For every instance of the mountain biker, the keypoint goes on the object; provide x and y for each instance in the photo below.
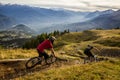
(46, 44)
(88, 52)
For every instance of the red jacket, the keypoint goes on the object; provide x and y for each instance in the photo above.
(44, 45)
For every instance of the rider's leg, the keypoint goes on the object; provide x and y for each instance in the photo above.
(40, 56)
(39, 53)
(46, 56)
(91, 57)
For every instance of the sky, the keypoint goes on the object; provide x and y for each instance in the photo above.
(76, 5)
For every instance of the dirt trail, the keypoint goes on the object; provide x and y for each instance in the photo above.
(12, 60)
(13, 68)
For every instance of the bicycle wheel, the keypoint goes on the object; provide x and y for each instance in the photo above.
(32, 62)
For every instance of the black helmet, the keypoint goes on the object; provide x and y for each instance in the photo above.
(90, 46)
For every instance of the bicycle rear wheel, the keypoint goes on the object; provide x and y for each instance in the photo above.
(32, 62)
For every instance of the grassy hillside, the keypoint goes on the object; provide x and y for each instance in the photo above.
(70, 46)
(109, 38)
(17, 53)
(74, 42)
(95, 36)
(106, 70)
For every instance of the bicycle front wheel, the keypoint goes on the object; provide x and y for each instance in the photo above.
(32, 62)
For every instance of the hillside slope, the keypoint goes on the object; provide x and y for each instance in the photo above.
(91, 37)
(95, 71)
(70, 47)
(72, 44)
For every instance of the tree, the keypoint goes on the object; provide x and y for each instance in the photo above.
(32, 43)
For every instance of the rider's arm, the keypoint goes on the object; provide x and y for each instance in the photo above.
(53, 52)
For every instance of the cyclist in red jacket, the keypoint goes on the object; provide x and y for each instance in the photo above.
(46, 44)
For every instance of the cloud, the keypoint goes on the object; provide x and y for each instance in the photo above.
(78, 5)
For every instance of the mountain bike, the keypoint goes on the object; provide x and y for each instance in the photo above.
(94, 59)
(32, 62)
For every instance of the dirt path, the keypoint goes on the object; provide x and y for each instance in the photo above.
(13, 68)
(12, 60)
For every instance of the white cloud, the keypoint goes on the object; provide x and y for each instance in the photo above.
(84, 5)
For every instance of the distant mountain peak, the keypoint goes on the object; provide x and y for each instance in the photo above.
(108, 11)
(22, 28)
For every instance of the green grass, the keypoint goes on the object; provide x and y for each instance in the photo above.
(77, 37)
(113, 42)
(108, 38)
(73, 43)
(106, 70)
(17, 53)
(71, 46)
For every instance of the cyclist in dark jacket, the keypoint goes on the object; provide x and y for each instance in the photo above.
(88, 52)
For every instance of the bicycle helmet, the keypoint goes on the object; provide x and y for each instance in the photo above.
(91, 47)
(52, 38)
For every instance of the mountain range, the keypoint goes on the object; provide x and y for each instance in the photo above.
(47, 20)
(39, 17)
(105, 20)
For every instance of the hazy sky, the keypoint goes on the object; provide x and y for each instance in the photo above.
(78, 5)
